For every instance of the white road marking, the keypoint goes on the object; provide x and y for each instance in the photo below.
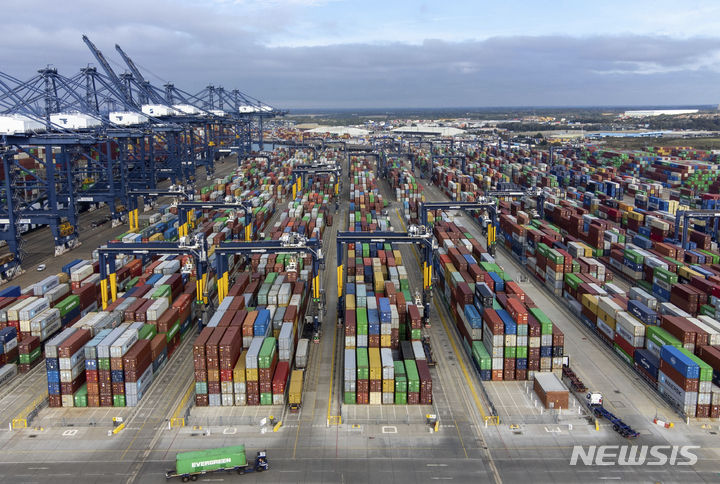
(436, 465)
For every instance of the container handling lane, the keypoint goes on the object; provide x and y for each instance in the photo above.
(599, 370)
(39, 247)
(455, 397)
(24, 390)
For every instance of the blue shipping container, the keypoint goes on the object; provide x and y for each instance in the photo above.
(678, 358)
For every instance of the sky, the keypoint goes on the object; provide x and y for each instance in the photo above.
(374, 54)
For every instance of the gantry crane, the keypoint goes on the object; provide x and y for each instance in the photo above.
(196, 246)
(482, 204)
(185, 209)
(416, 234)
(684, 216)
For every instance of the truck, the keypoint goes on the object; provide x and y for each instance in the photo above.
(593, 401)
(190, 465)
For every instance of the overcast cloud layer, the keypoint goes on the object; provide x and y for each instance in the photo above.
(311, 53)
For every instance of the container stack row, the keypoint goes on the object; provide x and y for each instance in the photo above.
(246, 353)
(108, 358)
(381, 315)
(502, 329)
(616, 218)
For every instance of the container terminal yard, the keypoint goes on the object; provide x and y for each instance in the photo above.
(194, 273)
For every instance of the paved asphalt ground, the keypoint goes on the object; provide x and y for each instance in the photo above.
(373, 448)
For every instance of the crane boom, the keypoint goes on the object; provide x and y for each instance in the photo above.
(122, 91)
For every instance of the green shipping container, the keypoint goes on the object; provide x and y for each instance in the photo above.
(162, 291)
(363, 364)
(706, 371)
(541, 317)
(412, 376)
(633, 256)
(210, 460)
(510, 351)
(665, 275)
(26, 359)
(80, 397)
(349, 398)
(645, 285)
(522, 352)
(266, 399)
(148, 331)
(661, 337)
(481, 356)
(103, 363)
(118, 400)
(401, 385)
(201, 387)
(400, 398)
(68, 304)
(267, 352)
(173, 331)
(705, 310)
(572, 281)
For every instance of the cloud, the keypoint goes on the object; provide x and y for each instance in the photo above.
(195, 45)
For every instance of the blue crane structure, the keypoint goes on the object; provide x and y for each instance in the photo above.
(185, 208)
(461, 158)
(196, 246)
(483, 204)
(536, 192)
(682, 219)
(70, 143)
(417, 235)
(302, 172)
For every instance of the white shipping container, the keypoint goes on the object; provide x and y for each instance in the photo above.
(77, 274)
(42, 287)
(58, 293)
(123, 343)
(301, 353)
(157, 309)
(51, 346)
(251, 358)
(13, 312)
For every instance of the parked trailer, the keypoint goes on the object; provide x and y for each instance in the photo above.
(190, 465)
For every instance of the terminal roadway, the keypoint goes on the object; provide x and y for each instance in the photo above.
(307, 449)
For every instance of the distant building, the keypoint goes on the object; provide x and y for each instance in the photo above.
(339, 131)
(431, 130)
(659, 112)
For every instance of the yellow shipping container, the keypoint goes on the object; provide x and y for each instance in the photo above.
(625, 207)
(398, 257)
(607, 319)
(379, 282)
(251, 374)
(296, 387)
(687, 273)
(588, 250)
(590, 302)
(636, 216)
(388, 386)
(156, 238)
(350, 301)
(375, 363)
(239, 370)
(385, 341)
